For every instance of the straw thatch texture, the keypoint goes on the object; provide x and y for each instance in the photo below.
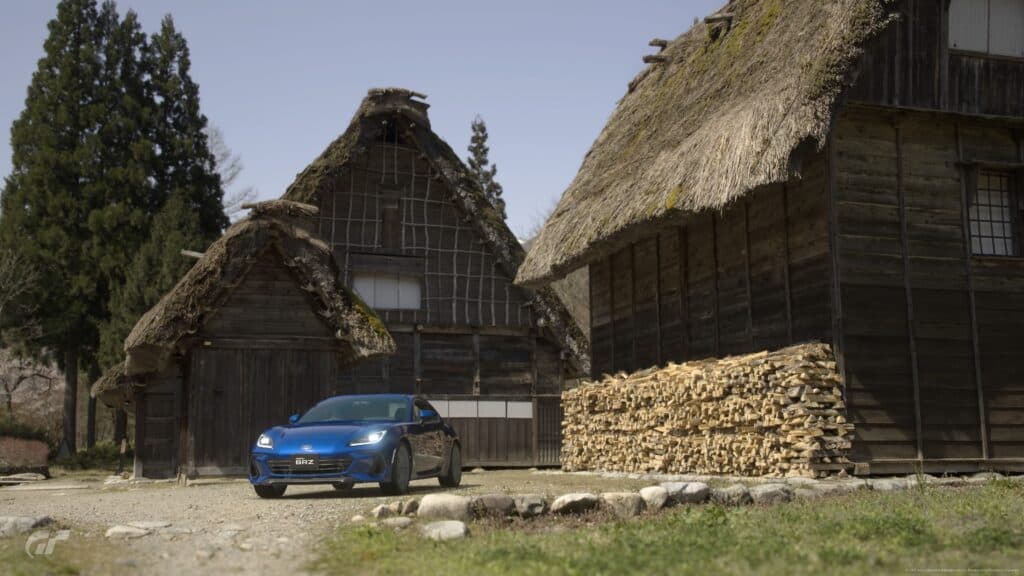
(277, 226)
(720, 116)
(114, 387)
(466, 194)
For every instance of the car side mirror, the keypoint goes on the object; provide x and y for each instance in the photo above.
(293, 418)
(429, 416)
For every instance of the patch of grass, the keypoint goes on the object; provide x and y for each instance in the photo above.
(862, 533)
(77, 555)
(101, 456)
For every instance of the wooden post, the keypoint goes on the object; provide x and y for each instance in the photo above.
(785, 263)
(908, 288)
(968, 255)
(714, 252)
(684, 289)
(476, 362)
(611, 309)
(535, 422)
(632, 306)
(657, 295)
(832, 203)
(746, 261)
(417, 368)
(140, 435)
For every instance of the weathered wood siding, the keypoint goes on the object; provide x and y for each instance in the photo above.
(755, 276)
(910, 65)
(475, 336)
(159, 417)
(912, 358)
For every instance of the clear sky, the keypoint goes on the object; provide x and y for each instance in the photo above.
(282, 79)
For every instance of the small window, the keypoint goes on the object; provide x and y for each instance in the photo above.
(388, 291)
(987, 26)
(994, 215)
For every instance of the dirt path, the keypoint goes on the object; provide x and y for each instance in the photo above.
(225, 528)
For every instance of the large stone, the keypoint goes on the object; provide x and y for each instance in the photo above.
(14, 525)
(530, 505)
(575, 503)
(447, 506)
(691, 493)
(386, 510)
(654, 497)
(150, 524)
(771, 493)
(410, 506)
(397, 522)
(22, 477)
(500, 505)
(623, 504)
(734, 495)
(445, 530)
(887, 484)
(126, 532)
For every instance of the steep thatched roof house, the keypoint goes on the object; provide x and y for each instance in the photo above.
(414, 234)
(258, 329)
(847, 171)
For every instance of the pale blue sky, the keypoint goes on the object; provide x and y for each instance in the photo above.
(282, 79)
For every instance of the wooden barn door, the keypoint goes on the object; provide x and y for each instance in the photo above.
(239, 392)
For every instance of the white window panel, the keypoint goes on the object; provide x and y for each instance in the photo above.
(363, 284)
(491, 409)
(385, 294)
(968, 25)
(409, 293)
(387, 291)
(442, 407)
(462, 409)
(520, 410)
(1006, 29)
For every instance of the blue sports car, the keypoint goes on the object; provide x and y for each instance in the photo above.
(385, 438)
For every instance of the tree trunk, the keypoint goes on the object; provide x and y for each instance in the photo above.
(68, 444)
(120, 426)
(90, 424)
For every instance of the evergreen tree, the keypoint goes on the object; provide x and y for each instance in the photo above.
(47, 200)
(480, 167)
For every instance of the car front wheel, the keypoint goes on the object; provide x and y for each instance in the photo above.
(401, 472)
(453, 476)
(270, 490)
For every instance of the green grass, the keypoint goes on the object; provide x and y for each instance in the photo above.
(102, 456)
(78, 555)
(862, 533)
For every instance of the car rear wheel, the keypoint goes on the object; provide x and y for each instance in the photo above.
(401, 472)
(453, 476)
(270, 490)
(343, 485)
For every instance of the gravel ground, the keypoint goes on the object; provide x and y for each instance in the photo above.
(223, 527)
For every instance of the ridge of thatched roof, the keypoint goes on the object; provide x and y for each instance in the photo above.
(279, 224)
(364, 129)
(716, 114)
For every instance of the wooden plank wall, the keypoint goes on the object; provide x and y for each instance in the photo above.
(752, 277)
(905, 276)
(910, 65)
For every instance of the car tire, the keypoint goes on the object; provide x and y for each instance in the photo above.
(452, 477)
(401, 472)
(343, 486)
(270, 490)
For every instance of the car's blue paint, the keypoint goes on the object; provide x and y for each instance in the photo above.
(427, 435)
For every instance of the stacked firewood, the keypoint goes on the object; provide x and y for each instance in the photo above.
(775, 413)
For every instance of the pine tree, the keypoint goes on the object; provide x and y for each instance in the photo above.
(47, 202)
(480, 167)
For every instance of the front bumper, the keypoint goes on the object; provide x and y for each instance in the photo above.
(349, 466)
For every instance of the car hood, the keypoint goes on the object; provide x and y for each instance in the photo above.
(318, 438)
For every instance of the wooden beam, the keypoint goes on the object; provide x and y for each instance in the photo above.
(832, 202)
(138, 466)
(908, 288)
(714, 252)
(611, 309)
(785, 263)
(632, 306)
(657, 295)
(746, 270)
(973, 312)
(192, 254)
(684, 289)
(535, 422)
(417, 365)
(476, 362)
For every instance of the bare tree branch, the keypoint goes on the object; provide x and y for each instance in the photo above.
(229, 166)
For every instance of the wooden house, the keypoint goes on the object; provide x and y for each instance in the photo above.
(847, 171)
(415, 236)
(258, 329)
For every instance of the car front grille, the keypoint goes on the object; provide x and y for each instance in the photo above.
(283, 466)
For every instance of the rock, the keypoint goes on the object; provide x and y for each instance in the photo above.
(14, 525)
(23, 477)
(358, 518)
(654, 497)
(623, 504)
(149, 524)
(387, 510)
(500, 505)
(445, 530)
(205, 553)
(444, 506)
(530, 505)
(692, 493)
(575, 503)
(801, 482)
(245, 546)
(771, 493)
(674, 489)
(397, 523)
(410, 506)
(887, 484)
(125, 532)
(916, 480)
(477, 470)
(806, 493)
(734, 495)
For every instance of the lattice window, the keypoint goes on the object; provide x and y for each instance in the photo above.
(994, 216)
(387, 291)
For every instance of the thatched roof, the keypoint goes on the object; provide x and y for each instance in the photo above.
(364, 129)
(718, 113)
(280, 226)
(115, 387)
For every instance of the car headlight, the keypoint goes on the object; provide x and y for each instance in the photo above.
(265, 441)
(371, 438)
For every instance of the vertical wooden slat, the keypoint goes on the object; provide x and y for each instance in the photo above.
(140, 435)
(417, 366)
(786, 264)
(908, 288)
(973, 312)
(476, 361)
(746, 270)
(684, 289)
(632, 306)
(833, 247)
(657, 295)
(611, 308)
(714, 269)
(535, 422)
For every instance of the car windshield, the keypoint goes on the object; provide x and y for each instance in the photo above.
(352, 408)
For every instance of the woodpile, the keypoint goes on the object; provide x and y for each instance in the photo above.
(775, 413)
